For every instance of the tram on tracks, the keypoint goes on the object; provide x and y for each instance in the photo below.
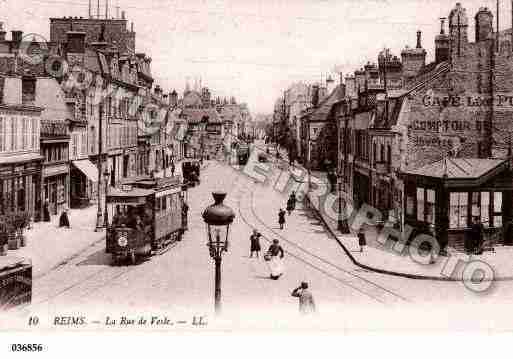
(191, 172)
(243, 153)
(148, 215)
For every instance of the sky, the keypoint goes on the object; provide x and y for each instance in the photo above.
(255, 49)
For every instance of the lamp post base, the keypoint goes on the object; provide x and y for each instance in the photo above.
(99, 222)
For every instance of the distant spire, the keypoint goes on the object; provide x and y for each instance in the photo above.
(187, 86)
(89, 13)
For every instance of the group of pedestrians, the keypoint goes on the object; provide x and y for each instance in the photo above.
(274, 258)
(291, 206)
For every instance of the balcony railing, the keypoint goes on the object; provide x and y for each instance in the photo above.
(54, 128)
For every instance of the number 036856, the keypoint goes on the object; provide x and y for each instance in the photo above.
(27, 347)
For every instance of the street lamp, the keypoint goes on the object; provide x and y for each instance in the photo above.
(99, 224)
(218, 218)
(106, 175)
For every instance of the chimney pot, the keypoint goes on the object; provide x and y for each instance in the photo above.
(419, 39)
(123, 15)
(17, 35)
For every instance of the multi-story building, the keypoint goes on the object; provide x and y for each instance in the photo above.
(20, 160)
(433, 153)
(55, 140)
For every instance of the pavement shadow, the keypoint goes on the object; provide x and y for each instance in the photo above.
(98, 258)
(263, 277)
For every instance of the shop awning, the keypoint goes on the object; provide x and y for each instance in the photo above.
(88, 169)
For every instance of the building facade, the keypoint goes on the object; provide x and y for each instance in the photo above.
(20, 160)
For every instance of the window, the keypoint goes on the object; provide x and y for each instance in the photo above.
(164, 203)
(28, 90)
(2, 139)
(497, 209)
(430, 206)
(485, 209)
(34, 133)
(14, 129)
(458, 210)
(420, 205)
(74, 146)
(23, 133)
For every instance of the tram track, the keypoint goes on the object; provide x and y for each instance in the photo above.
(345, 277)
(96, 276)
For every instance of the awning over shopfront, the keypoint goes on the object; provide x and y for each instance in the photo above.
(88, 169)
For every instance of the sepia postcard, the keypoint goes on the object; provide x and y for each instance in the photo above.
(279, 166)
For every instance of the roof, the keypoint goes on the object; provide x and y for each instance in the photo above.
(458, 168)
(193, 115)
(323, 110)
(134, 192)
(231, 113)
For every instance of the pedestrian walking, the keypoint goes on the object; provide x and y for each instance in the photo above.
(362, 242)
(64, 220)
(293, 197)
(281, 218)
(274, 259)
(290, 206)
(255, 244)
(477, 231)
(46, 211)
(306, 300)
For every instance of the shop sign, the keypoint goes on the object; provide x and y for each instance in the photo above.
(55, 170)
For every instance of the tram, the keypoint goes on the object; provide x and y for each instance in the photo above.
(191, 172)
(147, 217)
(243, 154)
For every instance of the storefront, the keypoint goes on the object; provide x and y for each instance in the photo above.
(20, 184)
(445, 197)
(84, 176)
(56, 186)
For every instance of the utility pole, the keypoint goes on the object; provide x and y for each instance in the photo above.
(99, 224)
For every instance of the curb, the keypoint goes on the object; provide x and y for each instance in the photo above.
(374, 269)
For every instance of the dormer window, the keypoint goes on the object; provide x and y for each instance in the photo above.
(28, 89)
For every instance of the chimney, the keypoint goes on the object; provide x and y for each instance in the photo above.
(123, 15)
(17, 35)
(173, 98)
(2, 31)
(132, 26)
(442, 44)
(419, 39)
(315, 96)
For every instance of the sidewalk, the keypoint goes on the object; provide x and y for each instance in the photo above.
(48, 246)
(382, 258)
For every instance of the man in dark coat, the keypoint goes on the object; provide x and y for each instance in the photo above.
(477, 231)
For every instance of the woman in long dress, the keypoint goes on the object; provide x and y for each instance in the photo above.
(281, 218)
(46, 211)
(274, 258)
